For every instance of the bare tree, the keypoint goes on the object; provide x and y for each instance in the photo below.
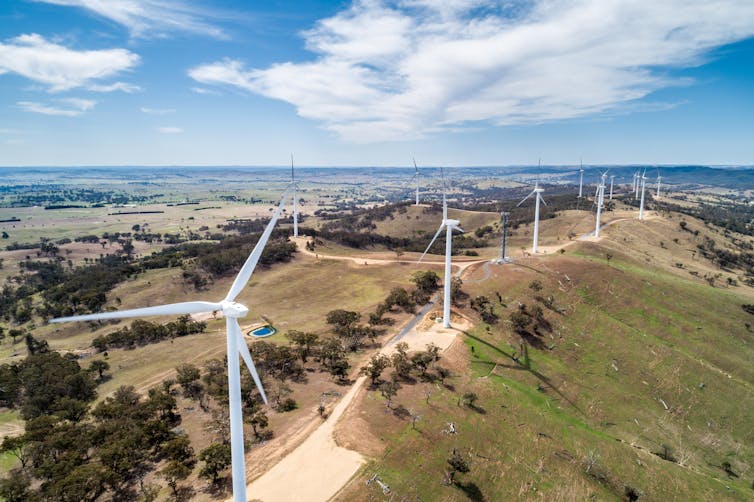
(415, 417)
(427, 393)
(388, 390)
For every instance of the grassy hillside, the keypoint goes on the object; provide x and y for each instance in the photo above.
(639, 382)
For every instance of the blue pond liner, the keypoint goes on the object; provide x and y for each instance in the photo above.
(263, 331)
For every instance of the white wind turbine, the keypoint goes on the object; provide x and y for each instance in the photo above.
(637, 184)
(659, 178)
(642, 181)
(581, 178)
(295, 202)
(599, 200)
(416, 175)
(537, 192)
(449, 226)
(236, 345)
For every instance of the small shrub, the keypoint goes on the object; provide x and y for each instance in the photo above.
(289, 404)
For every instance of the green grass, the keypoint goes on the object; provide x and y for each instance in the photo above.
(8, 462)
(632, 338)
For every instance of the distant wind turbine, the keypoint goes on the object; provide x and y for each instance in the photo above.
(600, 199)
(449, 226)
(581, 177)
(637, 183)
(416, 175)
(236, 345)
(537, 192)
(295, 202)
(659, 179)
(643, 181)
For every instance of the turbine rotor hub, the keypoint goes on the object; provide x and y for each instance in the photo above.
(234, 309)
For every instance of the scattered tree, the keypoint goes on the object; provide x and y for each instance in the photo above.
(469, 399)
(304, 342)
(401, 362)
(388, 390)
(187, 376)
(377, 364)
(216, 458)
(99, 366)
(173, 473)
(457, 464)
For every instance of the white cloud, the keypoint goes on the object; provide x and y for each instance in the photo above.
(387, 70)
(202, 90)
(170, 130)
(150, 18)
(71, 107)
(60, 68)
(156, 111)
(117, 86)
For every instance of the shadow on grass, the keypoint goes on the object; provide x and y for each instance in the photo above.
(185, 493)
(401, 412)
(477, 408)
(220, 489)
(471, 490)
(521, 367)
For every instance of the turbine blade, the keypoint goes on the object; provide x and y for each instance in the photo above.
(459, 229)
(444, 207)
(431, 242)
(251, 262)
(524, 199)
(542, 200)
(170, 309)
(235, 330)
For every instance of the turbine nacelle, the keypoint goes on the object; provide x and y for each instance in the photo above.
(234, 309)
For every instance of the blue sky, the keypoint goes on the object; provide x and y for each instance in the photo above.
(451, 82)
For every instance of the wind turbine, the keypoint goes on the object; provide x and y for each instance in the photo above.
(659, 178)
(295, 202)
(537, 192)
(581, 177)
(449, 226)
(643, 182)
(637, 184)
(599, 199)
(416, 175)
(236, 345)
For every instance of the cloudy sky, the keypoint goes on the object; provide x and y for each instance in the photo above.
(450, 82)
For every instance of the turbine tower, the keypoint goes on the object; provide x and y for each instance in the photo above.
(449, 226)
(659, 178)
(581, 178)
(643, 182)
(503, 244)
(612, 180)
(236, 345)
(295, 202)
(537, 192)
(416, 175)
(600, 199)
